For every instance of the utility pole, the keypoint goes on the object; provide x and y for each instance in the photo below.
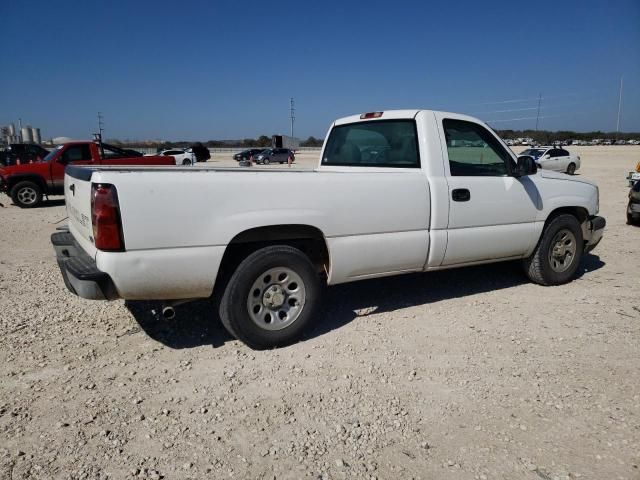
(619, 106)
(292, 112)
(100, 124)
(100, 130)
(538, 114)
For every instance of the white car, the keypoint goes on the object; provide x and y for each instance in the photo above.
(183, 157)
(554, 158)
(394, 192)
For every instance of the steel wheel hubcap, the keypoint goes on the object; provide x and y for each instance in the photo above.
(276, 298)
(27, 195)
(562, 251)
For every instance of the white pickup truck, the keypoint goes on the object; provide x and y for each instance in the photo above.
(394, 192)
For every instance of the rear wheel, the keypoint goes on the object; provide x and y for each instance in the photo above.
(271, 298)
(557, 255)
(26, 194)
(571, 169)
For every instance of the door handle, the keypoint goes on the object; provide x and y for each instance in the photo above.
(460, 195)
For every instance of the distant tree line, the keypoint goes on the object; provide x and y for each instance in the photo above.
(545, 137)
(261, 141)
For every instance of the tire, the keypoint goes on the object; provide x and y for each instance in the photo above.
(265, 161)
(631, 220)
(546, 268)
(571, 168)
(26, 194)
(186, 162)
(265, 311)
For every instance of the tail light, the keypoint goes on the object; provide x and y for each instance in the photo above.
(105, 218)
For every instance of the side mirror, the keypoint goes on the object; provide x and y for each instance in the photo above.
(547, 156)
(526, 166)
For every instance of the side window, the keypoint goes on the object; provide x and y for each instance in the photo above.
(473, 151)
(564, 153)
(109, 151)
(76, 153)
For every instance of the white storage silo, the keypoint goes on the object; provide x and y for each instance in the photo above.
(12, 129)
(27, 135)
(35, 134)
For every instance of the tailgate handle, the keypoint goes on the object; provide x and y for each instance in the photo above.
(460, 195)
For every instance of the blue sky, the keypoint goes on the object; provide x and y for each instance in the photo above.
(200, 70)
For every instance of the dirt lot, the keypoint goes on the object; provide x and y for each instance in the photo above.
(466, 374)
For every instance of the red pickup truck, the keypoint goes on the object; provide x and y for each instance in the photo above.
(27, 183)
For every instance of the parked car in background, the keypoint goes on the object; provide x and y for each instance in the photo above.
(247, 154)
(553, 158)
(273, 155)
(26, 184)
(16, 153)
(633, 207)
(182, 157)
(634, 177)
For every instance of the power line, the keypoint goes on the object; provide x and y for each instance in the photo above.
(524, 118)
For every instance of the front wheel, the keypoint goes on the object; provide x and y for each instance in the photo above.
(558, 253)
(271, 298)
(26, 194)
(571, 169)
(265, 161)
(186, 162)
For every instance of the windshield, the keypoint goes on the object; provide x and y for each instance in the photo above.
(534, 152)
(52, 153)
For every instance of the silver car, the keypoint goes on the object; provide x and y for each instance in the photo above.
(273, 155)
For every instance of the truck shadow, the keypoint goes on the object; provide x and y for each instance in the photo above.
(197, 324)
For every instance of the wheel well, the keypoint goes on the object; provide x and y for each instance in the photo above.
(14, 180)
(308, 239)
(579, 212)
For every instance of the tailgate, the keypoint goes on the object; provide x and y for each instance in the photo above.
(77, 194)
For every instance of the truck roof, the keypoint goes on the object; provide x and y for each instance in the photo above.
(395, 114)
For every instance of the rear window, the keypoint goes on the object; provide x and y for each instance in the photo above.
(379, 143)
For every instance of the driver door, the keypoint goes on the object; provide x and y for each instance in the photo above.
(491, 212)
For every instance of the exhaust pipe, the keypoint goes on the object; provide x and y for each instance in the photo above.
(168, 312)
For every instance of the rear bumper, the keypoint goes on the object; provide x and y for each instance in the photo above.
(79, 271)
(593, 232)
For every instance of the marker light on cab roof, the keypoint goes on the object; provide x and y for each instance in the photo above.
(371, 115)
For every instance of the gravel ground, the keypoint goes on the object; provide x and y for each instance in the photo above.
(464, 374)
